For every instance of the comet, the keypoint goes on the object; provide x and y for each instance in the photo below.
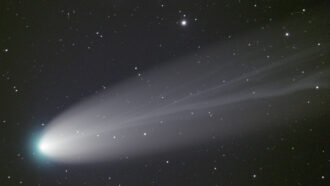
(222, 91)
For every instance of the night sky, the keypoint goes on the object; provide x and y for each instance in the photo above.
(55, 54)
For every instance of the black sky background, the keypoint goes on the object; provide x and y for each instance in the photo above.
(60, 52)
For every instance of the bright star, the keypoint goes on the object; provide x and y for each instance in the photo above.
(183, 22)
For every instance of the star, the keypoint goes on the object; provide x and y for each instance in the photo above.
(183, 22)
